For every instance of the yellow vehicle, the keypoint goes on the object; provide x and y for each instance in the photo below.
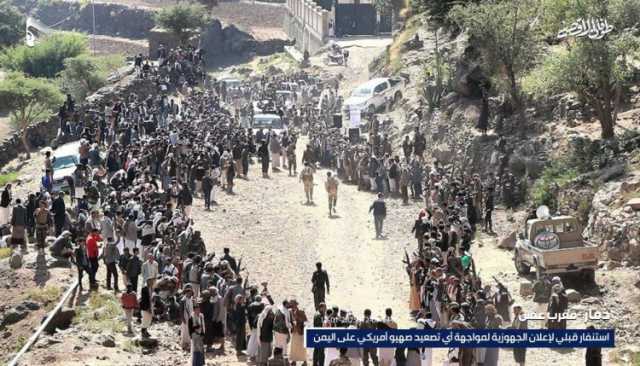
(554, 245)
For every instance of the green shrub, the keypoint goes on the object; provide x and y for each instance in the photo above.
(12, 24)
(8, 178)
(101, 313)
(46, 58)
(554, 177)
(182, 18)
(5, 253)
(84, 74)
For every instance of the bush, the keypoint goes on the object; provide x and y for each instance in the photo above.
(182, 18)
(5, 253)
(45, 59)
(554, 177)
(12, 24)
(84, 74)
(8, 178)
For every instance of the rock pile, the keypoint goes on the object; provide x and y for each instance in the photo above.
(614, 224)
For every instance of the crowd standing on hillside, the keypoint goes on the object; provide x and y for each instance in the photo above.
(145, 160)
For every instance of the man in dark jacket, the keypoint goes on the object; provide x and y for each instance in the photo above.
(263, 153)
(123, 264)
(18, 225)
(58, 209)
(232, 261)
(134, 268)
(379, 208)
(207, 187)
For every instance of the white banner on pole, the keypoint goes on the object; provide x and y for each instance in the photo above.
(354, 117)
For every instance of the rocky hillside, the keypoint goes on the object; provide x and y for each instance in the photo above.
(552, 148)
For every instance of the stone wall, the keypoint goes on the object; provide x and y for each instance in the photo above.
(218, 41)
(111, 19)
(307, 24)
(43, 133)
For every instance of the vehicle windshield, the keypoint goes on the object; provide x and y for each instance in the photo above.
(267, 122)
(63, 162)
(361, 92)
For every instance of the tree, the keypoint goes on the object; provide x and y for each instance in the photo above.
(507, 35)
(29, 100)
(12, 24)
(597, 71)
(84, 74)
(182, 18)
(46, 58)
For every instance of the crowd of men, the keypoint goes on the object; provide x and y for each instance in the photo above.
(143, 160)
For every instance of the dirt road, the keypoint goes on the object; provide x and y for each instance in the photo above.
(280, 238)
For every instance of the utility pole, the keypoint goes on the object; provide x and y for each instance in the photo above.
(93, 36)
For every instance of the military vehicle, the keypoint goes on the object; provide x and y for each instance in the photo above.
(554, 245)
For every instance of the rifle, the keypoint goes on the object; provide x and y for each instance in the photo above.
(500, 285)
(406, 261)
(239, 266)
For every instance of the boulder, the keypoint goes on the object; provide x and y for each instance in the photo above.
(613, 265)
(573, 295)
(16, 260)
(509, 242)
(61, 320)
(13, 316)
(591, 301)
(526, 288)
(146, 343)
(105, 340)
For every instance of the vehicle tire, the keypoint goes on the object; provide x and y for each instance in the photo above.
(522, 267)
(589, 276)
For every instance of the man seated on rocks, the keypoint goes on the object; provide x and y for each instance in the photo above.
(62, 249)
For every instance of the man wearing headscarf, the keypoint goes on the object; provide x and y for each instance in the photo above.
(186, 305)
(297, 353)
(254, 309)
(265, 334)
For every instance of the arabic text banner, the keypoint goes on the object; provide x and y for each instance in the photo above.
(444, 338)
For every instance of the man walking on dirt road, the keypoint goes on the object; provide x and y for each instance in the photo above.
(320, 281)
(379, 208)
(306, 176)
(331, 185)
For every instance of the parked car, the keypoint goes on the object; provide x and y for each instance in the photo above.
(266, 121)
(374, 95)
(64, 163)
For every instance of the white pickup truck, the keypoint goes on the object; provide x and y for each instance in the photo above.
(554, 245)
(374, 95)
